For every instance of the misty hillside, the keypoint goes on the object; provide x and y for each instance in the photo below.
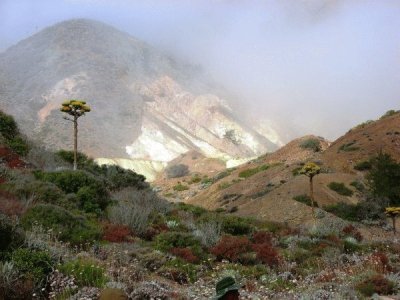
(145, 105)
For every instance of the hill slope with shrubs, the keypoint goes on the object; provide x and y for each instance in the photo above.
(102, 232)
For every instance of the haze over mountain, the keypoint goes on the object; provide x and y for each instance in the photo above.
(145, 105)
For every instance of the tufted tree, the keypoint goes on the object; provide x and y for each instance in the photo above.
(76, 109)
(311, 169)
(393, 213)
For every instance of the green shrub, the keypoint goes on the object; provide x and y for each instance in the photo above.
(250, 172)
(180, 187)
(296, 171)
(11, 236)
(363, 210)
(312, 144)
(70, 181)
(177, 265)
(9, 130)
(68, 156)
(222, 174)
(305, 199)
(33, 264)
(168, 240)
(42, 191)
(363, 165)
(340, 188)
(383, 180)
(119, 178)
(197, 211)
(345, 211)
(91, 192)
(237, 226)
(19, 145)
(71, 228)
(348, 147)
(8, 126)
(224, 185)
(195, 179)
(358, 185)
(207, 180)
(114, 176)
(389, 113)
(85, 272)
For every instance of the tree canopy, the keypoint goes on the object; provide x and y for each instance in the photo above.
(384, 179)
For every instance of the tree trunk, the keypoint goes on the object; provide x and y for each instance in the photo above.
(394, 224)
(312, 197)
(75, 143)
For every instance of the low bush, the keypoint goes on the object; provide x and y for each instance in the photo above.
(176, 171)
(8, 126)
(134, 208)
(376, 284)
(236, 225)
(91, 192)
(340, 188)
(195, 179)
(351, 231)
(85, 272)
(41, 191)
(186, 254)
(312, 144)
(75, 229)
(182, 271)
(68, 157)
(19, 145)
(351, 245)
(262, 237)
(116, 233)
(197, 211)
(168, 240)
(296, 171)
(180, 187)
(231, 248)
(267, 254)
(305, 199)
(361, 211)
(345, 211)
(363, 165)
(35, 265)
(224, 185)
(358, 185)
(250, 172)
(348, 147)
(389, 113)
(11, 236)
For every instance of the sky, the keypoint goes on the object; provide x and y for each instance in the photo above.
(308, 66)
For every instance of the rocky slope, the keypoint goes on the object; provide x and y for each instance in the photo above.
(265, 188)
(146, 106)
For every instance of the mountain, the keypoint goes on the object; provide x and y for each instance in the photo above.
(146, 106)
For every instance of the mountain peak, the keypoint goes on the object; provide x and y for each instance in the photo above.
(146, 105)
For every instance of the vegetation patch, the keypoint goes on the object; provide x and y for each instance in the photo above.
(85, 272)
(305, 199)
(179, 187)
(340, 188)
(250, 172)
(176, 171)
(363, 165)
(349, 147)
(311, 144)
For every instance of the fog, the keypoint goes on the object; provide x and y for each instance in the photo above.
(308, 66)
